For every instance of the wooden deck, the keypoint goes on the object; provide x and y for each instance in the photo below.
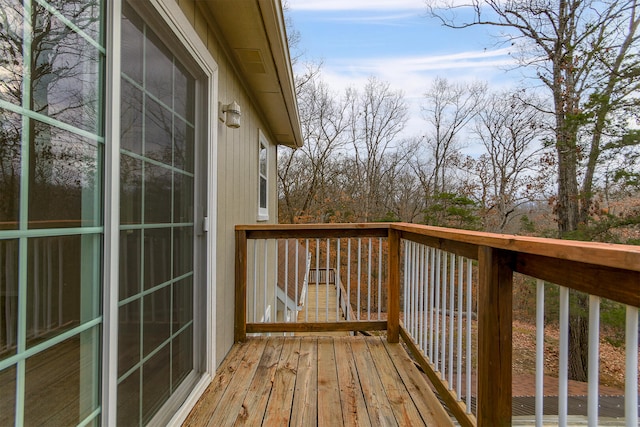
(324, 381)
(324, 298)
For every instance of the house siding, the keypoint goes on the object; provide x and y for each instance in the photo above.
(237, 178)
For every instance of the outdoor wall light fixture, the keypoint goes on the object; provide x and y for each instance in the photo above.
(231, 114)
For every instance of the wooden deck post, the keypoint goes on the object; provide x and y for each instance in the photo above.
(393, 292)
(495, 282)
(240, 326)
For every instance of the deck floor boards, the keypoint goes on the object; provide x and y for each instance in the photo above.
(305, 409)
(375, 396)
(281, 397)
(230, 405)
(325, 381)
(261, 384)
(321, 306)
(354, 409)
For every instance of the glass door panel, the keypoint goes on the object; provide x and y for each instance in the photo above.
(156, 316)
(51, 203)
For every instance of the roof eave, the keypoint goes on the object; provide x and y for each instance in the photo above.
(255, 35)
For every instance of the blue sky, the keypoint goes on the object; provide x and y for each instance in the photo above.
(397, 42)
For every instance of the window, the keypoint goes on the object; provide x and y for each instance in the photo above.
(51, 226)
(263, 180)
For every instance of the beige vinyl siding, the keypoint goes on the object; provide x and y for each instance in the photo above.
(237, 178)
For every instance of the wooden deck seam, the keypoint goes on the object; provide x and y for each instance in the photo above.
(328, 402)
(233, 397)
(354, 409)
(393, 385)
(211, 397)
(305, 401)
(278, 411)
(378, 406)
(257, 397)
(418, 387)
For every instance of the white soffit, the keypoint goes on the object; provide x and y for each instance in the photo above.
(254, 32)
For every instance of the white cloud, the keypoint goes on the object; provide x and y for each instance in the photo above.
(413, 75)
(463, 60)
(389, 19)
(478, 62)
(411, 71)
(356, 4)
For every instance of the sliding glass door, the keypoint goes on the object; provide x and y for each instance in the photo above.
(53, 167)
(157, 194)
(51, 228)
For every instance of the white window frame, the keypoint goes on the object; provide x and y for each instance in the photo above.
(263, 212)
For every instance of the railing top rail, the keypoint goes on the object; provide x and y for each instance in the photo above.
(275, 231)
(624, 257)
(319, 226)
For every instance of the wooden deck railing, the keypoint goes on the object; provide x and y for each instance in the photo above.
(417, 264)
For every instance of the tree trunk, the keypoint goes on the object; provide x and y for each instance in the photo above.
(568, 211)
(567, 107)
(579, 337)
(566, 132)
(568, 197)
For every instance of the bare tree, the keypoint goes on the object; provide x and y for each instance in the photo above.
(511, 132)
(585, 53)
(303, 174)
(402, 196)
(378, 115)
(448, 109)
(294, 38)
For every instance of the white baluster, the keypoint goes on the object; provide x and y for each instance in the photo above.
(255, 281)
(369, 281)
(539, 352)
(286, 279)
(317, 282)
(468, 371)
(594, 359)
(459, 352)
(443, 314)
(297, 276)
(326, 281)
(631, 368)
(436, 331)
(379, 275)
(563, 371)
(359, 275)
(451, 310)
